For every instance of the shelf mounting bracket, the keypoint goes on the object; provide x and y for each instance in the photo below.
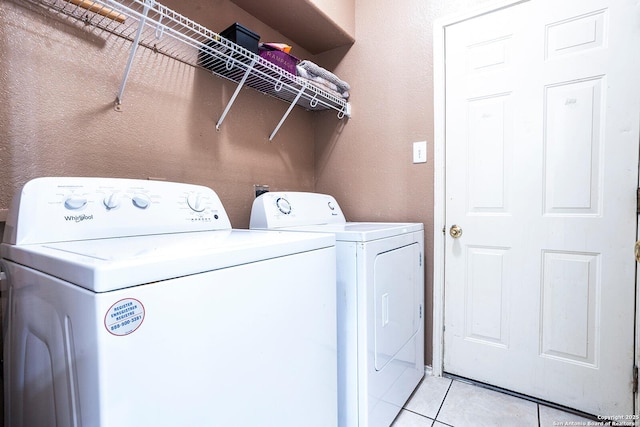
(147, 5)
(235, 93)
(286, 114)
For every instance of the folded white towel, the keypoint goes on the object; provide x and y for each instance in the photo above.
(317, 71)
(322, 83)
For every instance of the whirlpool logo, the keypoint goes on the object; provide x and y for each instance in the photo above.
(79, 218)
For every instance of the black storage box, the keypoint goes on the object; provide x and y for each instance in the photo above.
(213, 55)
(242, 36)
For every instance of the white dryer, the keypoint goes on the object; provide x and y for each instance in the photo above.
(380, 286)
(133, 303)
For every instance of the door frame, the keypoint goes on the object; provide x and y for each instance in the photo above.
(439, 214)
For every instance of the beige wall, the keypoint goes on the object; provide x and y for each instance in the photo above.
(340, 11)
(367, 164)
(58, 83)
(317, 25)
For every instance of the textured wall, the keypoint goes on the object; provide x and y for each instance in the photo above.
(367, 164)
(318, 25)
(341, 11)
(58, 82)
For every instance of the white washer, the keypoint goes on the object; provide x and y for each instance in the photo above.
(380, 284)
(133, 303)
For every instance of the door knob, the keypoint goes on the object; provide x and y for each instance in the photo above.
(636, 250)
(456, 231)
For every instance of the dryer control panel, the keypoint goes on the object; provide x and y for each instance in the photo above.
(290, 209)
(73, 208)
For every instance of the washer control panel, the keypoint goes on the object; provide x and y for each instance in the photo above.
(67, 208)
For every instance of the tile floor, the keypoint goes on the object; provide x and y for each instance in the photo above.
(442, 402)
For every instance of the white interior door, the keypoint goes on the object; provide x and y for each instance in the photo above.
(542, 112)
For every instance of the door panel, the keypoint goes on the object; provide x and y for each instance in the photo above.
(542, 112)
(485, 315)
(573, 112)
(570, 299)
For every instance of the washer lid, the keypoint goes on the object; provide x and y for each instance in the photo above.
(361, 231)
(109, 264)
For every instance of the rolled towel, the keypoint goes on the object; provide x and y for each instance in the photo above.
(317, 70)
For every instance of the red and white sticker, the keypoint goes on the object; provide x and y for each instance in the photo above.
(124, 317)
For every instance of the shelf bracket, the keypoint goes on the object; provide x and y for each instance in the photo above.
(286, 114)
(235, 94)
(346, 111)
(147, 5)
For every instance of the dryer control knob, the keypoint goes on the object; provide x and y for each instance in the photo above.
(141, 201)
(195, 202)
(112, 201)
(74, 202)
(283, 205)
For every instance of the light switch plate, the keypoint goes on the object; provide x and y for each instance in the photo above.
(420, 152)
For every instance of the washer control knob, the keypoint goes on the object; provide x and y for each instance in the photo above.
(74, 202)
(141, 201)
(112, 201)
(283, 205)
(195, 202)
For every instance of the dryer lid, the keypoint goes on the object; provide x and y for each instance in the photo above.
(361, 231)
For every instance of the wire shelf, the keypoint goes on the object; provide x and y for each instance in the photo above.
(151, 25)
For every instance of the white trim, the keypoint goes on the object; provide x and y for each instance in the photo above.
(438, 198)
(439, 211)
(428, 372)
(636, 349)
